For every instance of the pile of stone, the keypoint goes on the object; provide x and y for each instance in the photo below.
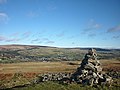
(90, 71)
(61, 77)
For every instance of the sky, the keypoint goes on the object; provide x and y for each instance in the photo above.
(60, 23)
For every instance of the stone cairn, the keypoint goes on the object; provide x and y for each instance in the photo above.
(88, 73)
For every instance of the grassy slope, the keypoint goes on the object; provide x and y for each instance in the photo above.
(36, 53)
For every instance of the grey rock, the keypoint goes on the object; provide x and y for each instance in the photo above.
(89, 73)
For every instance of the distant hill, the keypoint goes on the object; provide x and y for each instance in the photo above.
(18, 47)
(18, 53)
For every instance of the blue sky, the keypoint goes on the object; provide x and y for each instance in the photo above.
(60, 23)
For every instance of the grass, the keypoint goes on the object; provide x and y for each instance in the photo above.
(36, 67)
(44, 67)
(56, 86)
(17, 74)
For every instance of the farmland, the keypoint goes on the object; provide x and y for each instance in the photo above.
(26, 53)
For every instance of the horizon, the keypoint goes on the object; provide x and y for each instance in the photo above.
(59, 46)
(60, 23)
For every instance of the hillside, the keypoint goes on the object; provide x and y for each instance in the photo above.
(18, 53)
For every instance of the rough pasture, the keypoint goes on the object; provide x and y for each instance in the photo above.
(17, 74)
(31, 69)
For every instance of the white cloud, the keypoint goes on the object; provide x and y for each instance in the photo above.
(116, 37)
(50, 42)
(47, 41)
(92, 25)
(2, 38)
(13, 40)
(36, 40)
(6, 39)
(3, 1)
(51, 6)
(73, 42)
(3, 18)
(15, 34)
(60, 34)
(26, 34)
(42, 40)
(32, 14)
(91, 28)
(92, 35)
(114, 29)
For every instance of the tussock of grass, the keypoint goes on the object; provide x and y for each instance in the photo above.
(56, 86)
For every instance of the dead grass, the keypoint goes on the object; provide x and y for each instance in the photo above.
(42, 67)
(31, 69)
(110, 65)
(36, 67)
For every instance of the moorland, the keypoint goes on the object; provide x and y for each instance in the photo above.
(20, 64)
